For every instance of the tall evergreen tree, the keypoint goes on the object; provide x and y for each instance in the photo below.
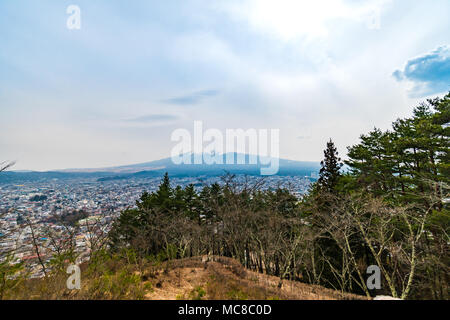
(330, 168)
(410, 162)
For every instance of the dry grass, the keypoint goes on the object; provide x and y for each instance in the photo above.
(225, 278)
(207, 278)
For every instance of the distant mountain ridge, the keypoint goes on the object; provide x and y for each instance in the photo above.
(159, 167)
(168, 165)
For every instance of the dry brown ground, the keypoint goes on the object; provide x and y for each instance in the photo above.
(206, 278)
(224, 278)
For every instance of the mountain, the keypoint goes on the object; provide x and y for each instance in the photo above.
(168, 165)
(159, 167)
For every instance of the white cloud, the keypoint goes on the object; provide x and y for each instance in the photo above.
(311, 68)
(428, 73)
(290, 19)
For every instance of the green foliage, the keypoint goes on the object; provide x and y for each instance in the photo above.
(237, 294)
(330, 169)
(409, 162)
(117, 285)
(11, 274)
(197, 293)
(60, 260)
(407, 168)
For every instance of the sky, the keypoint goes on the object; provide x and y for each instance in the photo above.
(112, 92)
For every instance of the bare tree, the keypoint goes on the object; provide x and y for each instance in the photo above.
(36, 246)
(6, 164)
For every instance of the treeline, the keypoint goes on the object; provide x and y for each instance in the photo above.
(387, 207)
(232, 219)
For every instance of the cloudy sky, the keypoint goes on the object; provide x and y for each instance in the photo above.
(112, 92)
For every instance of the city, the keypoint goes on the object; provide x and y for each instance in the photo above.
(96, 203)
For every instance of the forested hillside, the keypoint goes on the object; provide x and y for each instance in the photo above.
(390, 209)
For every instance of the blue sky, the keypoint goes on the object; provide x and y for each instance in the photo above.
(112, 92)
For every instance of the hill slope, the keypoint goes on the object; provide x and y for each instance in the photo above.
(197, 278)
(225, 279)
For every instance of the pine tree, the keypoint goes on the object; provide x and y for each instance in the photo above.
(163, 200)
(164, 195)
(164, 187)
(408, 163)
(330, 168)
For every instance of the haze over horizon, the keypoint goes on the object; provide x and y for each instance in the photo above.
(112, 93)
(145, 166)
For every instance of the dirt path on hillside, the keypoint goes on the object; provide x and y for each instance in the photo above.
(224, 278)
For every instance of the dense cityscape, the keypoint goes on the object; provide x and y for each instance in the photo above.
(31, 211)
